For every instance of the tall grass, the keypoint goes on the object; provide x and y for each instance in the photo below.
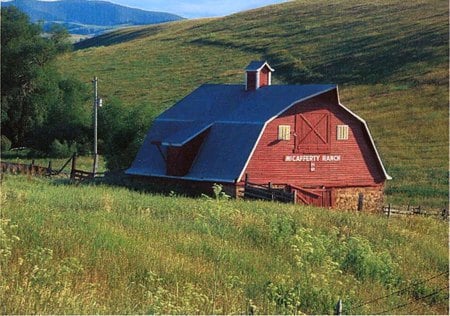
(95, 249)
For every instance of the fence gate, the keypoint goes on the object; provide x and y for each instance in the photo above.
(321, 197)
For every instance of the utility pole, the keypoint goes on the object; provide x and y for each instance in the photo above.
(95, 81)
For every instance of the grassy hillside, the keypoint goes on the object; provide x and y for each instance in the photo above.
(88, 17)
(388, 57)
(67, 249)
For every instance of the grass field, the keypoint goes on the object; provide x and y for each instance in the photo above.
(88, 249)
(390, 59)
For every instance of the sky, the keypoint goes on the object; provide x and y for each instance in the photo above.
(194, 8)
(197, 8)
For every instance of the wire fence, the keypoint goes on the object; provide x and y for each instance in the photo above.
(353, 308)
(409, 303)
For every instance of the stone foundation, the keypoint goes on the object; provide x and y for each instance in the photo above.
(347, 198)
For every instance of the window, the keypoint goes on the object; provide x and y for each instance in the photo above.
(342, 132)
(284, 132)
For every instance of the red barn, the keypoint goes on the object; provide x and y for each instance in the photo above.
(298, 138)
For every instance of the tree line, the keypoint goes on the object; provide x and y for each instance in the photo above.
(49, 112)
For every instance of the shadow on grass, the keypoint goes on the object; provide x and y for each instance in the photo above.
(117, 37)
(118, 179)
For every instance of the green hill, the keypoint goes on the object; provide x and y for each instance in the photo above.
(390, 59)
(84, 17)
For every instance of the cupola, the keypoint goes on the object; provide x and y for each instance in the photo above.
(258, 74)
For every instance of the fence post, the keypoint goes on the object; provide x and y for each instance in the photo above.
(270, 191)
(389, 210)
(444, 214)
(338, 308)
(360, 201)
(49, 168)
(74, 165)
(31, 167)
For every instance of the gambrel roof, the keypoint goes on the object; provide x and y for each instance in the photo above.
(235, 120)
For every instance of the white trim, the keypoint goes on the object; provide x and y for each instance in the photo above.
(262, 66)
(188, 139)
(270, 120)
(388, 177)
(252, 151)
(270, 79)
(246, 80)
(258, 73)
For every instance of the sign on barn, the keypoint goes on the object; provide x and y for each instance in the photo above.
(326, 158)
(298, 138)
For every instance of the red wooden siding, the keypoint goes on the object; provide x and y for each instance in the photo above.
(357, 166)
(264, 77)
(180, 159)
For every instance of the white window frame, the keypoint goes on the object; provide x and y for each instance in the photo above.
(342, 132)
(284, 132)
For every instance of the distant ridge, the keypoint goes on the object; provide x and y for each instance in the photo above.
(88, 17)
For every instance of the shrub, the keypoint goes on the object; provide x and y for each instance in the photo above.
(5, 143)
(366, 264)
(62, 150)
(122, 130)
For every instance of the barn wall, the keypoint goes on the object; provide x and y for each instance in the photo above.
(358, 164)
(264, 77)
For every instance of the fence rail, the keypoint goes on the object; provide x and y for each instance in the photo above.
(391, 210)
(267, 192)
(35, 170)
(30, 169)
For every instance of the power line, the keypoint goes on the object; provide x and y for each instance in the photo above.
(409, 303)
(399, 291)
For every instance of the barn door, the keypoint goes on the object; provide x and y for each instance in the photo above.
(321, 197)
(312, 132)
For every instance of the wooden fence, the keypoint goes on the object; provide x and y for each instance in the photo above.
(20, 168)
(408, 210)
(267, 192)
(32, 169)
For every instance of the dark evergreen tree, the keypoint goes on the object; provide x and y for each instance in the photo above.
(38, 105)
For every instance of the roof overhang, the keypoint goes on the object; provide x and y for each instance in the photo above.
(180, 139)
(132, 172)
(258, 68)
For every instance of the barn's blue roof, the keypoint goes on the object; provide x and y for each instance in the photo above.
(235, 118)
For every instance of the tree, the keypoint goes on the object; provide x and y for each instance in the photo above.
(29, 82)
(123, 130)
